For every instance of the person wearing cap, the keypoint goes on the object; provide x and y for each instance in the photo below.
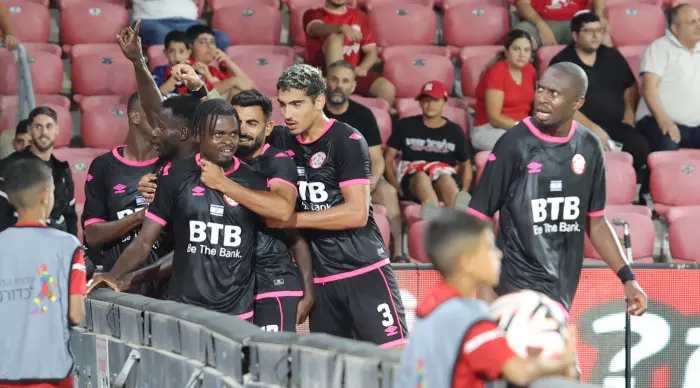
(434, 156)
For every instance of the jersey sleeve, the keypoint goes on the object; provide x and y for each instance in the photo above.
(161, 209)
(96, 194)
(78, 274)
(285, 171)
(596, 204)
(351, 160)
(492, 189)
(485, 350)
(367, 35)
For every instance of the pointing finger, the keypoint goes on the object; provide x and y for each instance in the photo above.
(137, 27)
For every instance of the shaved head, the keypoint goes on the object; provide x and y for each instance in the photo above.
(561, 91)
(578, 80)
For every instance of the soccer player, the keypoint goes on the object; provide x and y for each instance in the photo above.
(214, 236)
(455, 342)
(278, 289)
(45, 270)
(546, 177)
(356, 291)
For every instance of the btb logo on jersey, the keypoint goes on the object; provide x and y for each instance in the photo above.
(317, 160)
(578, 164)
(313, 196)
(555, 215)
(230, 201)
(213, 239)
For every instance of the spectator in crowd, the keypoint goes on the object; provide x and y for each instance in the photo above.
(227, 78)
(668, 115)
(435, 156)
(44, 130)
(177, 52)
(505, 91)
(341, 84)
(8, 35)
(158, 17)
(549, 21)
(612, 89)
(336, 32)
(22, 138)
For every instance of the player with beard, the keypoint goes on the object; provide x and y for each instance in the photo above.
(215, 237)
(356, 292)
(546, 176)
(280, 303)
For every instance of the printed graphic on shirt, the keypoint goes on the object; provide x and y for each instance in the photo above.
(48, 292)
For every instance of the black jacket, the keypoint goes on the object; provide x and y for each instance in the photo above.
(63, 216)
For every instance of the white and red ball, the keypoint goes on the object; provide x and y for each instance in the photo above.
(535, 325)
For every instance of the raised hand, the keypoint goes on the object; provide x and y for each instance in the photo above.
(187, 75)
(130, 42)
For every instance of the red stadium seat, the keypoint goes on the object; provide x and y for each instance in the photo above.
(46, 71)
(683, 238)
(619, 156)
(102, 48)
(249, 23)
(403, 25)
(44, 3)
(263, 64)
(67, 3)
(31, 21)
(410, 107)
(411, 214)
(642, 236)
(480, 160)
(156, 56)
(383, 122)
(675, 183)
(389, 52)
(104, 126)
(218, 4)
(409, 72)
(7, 102)
(371, 102)
(91, 22)
(635, 24)
(416, 242)
(447, 4)
(379, 210)
(9, 119)
(677, 212)
(98, 74)
(297, 33)
(621, 182)
(475, 24)
(79, 160)
(634, 209)
(87, 102)
(373, 4)
(474, 61)
(545, 54)
(43, 47)
(660, 157)
(384, 227)
(633, 55)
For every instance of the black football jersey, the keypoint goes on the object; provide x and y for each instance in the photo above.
(339, 157)
(274, 266)
(111, 193)
(215, 237)
(545, 188)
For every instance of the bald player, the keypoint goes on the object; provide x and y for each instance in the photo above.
(546, 176)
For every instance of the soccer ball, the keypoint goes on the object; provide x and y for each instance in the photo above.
(535, 325)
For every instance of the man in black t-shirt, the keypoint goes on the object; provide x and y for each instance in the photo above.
(611, 100)
(546, 177)
(215, 237)
(339, 106)
(435, 156)
(357, 294)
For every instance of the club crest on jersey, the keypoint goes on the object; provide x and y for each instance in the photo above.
(578, 164)
(230, 201)
(317, 160)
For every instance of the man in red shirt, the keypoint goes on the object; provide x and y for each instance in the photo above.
(549, 21)
(455, 342)
(336, 33)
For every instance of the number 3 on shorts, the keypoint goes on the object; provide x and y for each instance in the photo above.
(386, 313)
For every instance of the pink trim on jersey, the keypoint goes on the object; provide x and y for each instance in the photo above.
(328, 126)
(392, 344)
(166, 169)
(548, 138)
(280, 180)
(279, 303)
(93, 221)
(132, 163)
(245, 316)
(598, 213)
(478, 214)
(156, 218)
(265, 147)
(279, 294)
(352, 274)
(361, 181)
(397, 320)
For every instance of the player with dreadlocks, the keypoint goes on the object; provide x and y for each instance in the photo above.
(215, 237)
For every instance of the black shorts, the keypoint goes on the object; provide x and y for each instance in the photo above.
(366, 307)
(276, 313)
(406, 186)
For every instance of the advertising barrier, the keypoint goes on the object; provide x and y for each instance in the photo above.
(665, 341)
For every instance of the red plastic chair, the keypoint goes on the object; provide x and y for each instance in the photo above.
(683, 238)
(416, 242)
(545, 54)
(79, 160)
(409, 72)
(675, 183)
(263, 64)
(621, 182)
(46, 70)
(473, 24)
(636, 24)
(91, 22)
(104, 126)
(31, 21)
(403, 25)
(11, 102)
(99, 74)
(474, 61)
(247, 24)
(642, 235)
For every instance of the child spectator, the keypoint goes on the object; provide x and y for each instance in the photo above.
(177, 52)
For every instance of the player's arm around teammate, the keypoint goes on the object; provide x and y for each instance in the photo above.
(302, 256)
